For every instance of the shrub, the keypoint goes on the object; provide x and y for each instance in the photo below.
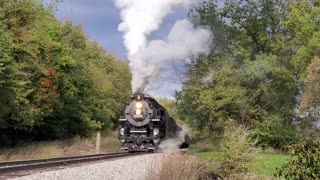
(305, 162)
(275, 132)
(237, 151)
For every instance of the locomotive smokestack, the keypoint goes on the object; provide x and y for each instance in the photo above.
(139, 91)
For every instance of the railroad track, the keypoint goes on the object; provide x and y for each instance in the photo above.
(17, 166)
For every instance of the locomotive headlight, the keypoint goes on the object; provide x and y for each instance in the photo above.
(155, 131)
(139, 105)
(138, 112)
(122, 131)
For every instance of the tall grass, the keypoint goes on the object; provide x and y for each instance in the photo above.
(177, 167)
(59, 148)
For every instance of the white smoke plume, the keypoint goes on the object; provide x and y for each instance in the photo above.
(172, 145)
(147, 58)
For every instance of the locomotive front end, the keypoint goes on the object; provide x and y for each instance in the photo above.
(139, 126)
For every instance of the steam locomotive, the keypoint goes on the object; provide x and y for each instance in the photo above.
(145, 124)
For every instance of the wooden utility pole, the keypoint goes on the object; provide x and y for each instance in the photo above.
(98, 142)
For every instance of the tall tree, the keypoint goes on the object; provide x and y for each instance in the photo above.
(248, 75)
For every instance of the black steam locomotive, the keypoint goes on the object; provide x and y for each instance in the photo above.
(145, 124)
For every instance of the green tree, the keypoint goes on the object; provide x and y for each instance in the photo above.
(54, 82)
(247, 76)
(7, 72)
(303, 32)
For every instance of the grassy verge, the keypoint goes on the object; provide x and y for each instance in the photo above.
(265, 164)
(71, 147)
(268, 162)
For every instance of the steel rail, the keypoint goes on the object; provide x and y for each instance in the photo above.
(20, 162)
(16, 166)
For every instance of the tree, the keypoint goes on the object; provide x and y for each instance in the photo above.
(312, 85)
(247, 76)
(54, 82)
(303, 32)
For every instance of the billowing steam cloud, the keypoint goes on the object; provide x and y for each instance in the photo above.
(172, 145)
(146, 59)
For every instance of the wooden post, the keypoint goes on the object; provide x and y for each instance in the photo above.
(98, 142)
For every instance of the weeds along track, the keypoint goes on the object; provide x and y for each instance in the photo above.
(24, 165)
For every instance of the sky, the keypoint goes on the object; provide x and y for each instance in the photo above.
(100, 20)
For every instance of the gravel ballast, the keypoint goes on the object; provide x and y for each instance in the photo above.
(131, 168)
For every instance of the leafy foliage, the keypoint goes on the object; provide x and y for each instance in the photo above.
(237, 151)
(312, 85)
(305, 163)
(54, 82)
(275, 133)
(303, 32)
(259, 57)
(171, 107)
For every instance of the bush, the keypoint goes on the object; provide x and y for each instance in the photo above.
(275, 132)
(237, 151)
(305, 163)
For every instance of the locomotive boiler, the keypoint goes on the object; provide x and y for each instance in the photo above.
(145, 124)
